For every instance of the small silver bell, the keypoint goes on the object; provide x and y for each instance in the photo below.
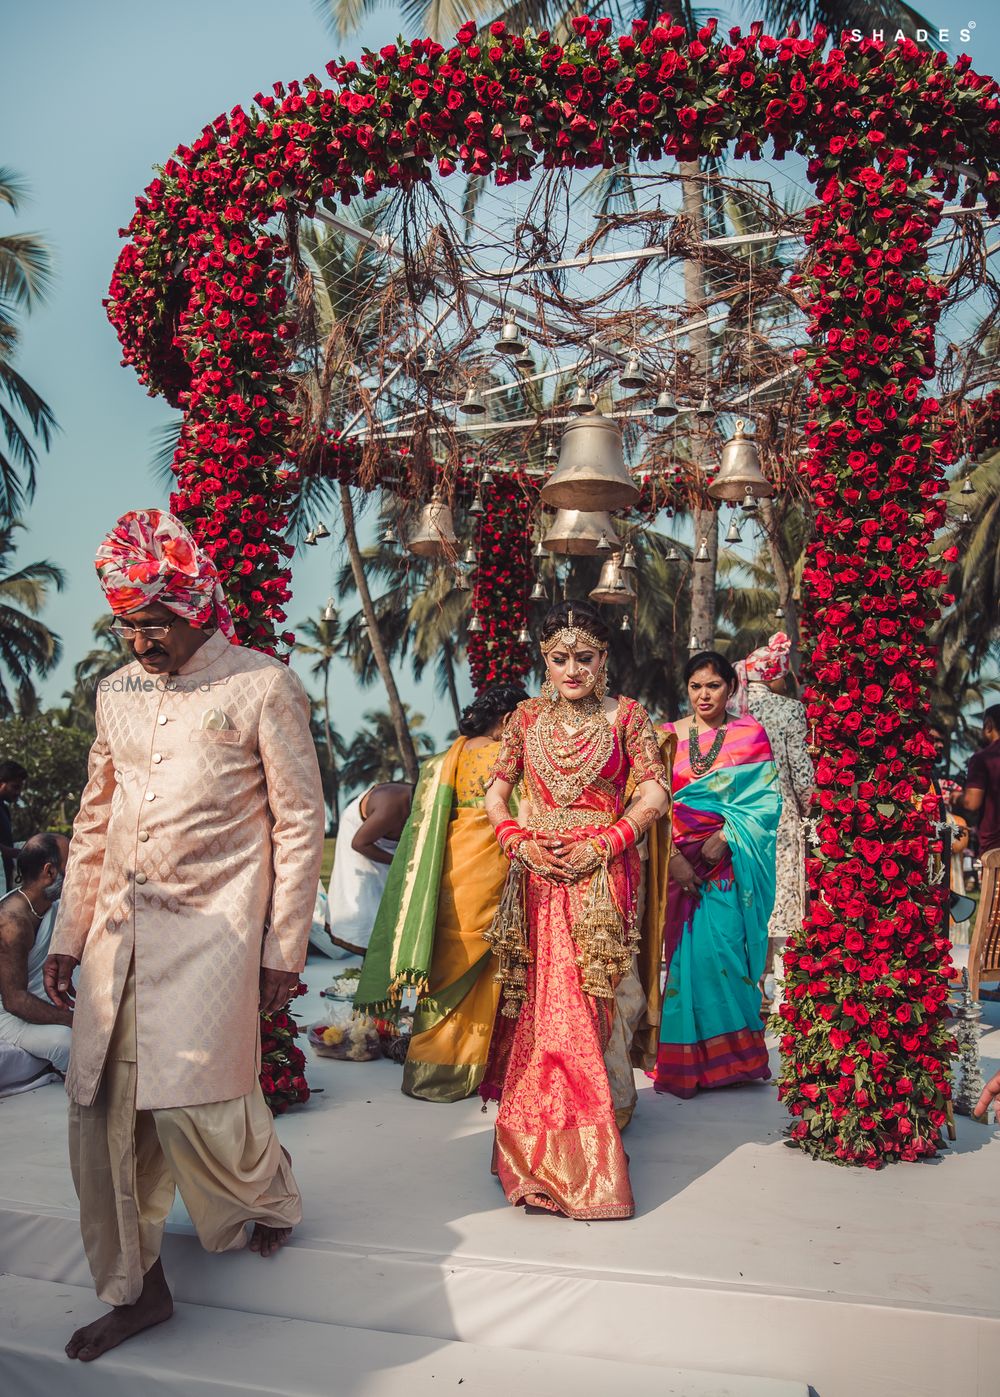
(750, 505)
(462, 583)
(390, 538)
(603, 543)
(705, 410)
(470, 555)
(538, 551)
(734, 535)
(665, 405)
(626, 624)
(628, 559)
(581, 401)
(702, 555)
(310, 539)
(477, 506)
(538, 592)
(966, 517)
(671, 555)
(693, 646)
(487, 477)
(552, 453)
(476, 626)
(473, 405)
(967, 487)
(510, 341)
(321, 531)
(430, 365)
(633, 377)
(524, 636)
(329, 611)
(779, 612)
(524, 363)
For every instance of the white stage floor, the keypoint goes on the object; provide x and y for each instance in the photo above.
(745, 1259)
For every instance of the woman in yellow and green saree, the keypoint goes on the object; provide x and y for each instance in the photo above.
(443, 890)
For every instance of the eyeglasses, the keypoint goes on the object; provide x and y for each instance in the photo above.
(129, 632)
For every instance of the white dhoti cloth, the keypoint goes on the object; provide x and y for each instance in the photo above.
(224, 1157)
(47, 1041)
(356, 882)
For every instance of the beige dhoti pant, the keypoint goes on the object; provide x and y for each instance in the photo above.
(224, 1157)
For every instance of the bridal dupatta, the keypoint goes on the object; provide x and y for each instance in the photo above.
(716, 948)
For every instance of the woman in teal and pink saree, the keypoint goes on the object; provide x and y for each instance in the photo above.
(721, 893)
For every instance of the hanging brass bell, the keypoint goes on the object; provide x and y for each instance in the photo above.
(390, 538)
(476, 626)
(477, 506)
(779, 612)
(433, 534)
(626, 624)
(703, 555)
(473, 404)
(510, 341)
(750, 505)
(470, 555)
(734, 535)
(671, 555)
(321, 531)
(430, 365)
(967, 487)
(538, 592)
(705, 410)
(628, 559)
(524, 636)
(579, 532)
(632, 378)
(693, 645)
(329, 611)
(581, 401)
(591, 473)
(524, 363)
(614, 585)
(310, 539)
(740, 473)
(552, 453)
(665, 405)
(462, 583)
(487, 477)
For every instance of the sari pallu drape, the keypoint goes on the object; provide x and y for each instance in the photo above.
(715, 947)
(442, 893)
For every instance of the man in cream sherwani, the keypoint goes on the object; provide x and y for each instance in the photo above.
(187, 904)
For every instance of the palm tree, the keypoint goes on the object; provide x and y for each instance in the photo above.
(322, 644)
(27, 647)
(98, 663)
(374, 754)
(25, 278)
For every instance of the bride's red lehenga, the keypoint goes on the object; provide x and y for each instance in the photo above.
(557, 1144)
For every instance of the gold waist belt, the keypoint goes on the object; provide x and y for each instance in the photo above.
(564, 820)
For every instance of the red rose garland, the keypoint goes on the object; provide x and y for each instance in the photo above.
(199, 304)
(501, 582)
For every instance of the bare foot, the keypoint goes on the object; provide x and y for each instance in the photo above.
(153, 1306)
(268, 1240)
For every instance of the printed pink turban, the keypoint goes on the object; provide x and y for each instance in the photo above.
(765, 663)
(770, 661)
(150, 556)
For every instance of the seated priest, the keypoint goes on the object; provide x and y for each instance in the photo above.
(27, 915)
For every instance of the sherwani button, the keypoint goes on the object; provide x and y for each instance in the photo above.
(150, 795)
(140, 877)
(157, 757)
(162, 719)
(143, 836)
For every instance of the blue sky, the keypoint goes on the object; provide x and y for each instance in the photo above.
(91, 98)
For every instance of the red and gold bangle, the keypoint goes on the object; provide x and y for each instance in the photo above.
(509, 835)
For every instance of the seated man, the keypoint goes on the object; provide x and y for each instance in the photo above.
(369, 831)
(28, 1020)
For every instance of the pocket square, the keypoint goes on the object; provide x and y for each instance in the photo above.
(213, 719)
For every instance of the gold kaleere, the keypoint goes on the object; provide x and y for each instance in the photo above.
(507, 935)
(599, 934)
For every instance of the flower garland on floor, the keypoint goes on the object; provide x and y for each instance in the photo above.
(199, 303)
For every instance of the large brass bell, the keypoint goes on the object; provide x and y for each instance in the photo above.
(614, 585)
(591, 473)
(740, 473)
(580, 532)
(433, 534)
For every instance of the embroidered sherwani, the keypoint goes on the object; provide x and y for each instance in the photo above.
(194, 861)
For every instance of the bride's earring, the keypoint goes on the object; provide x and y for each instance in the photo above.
(601, 682)
(550, 692)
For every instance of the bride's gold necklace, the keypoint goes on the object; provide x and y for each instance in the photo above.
(570, 744)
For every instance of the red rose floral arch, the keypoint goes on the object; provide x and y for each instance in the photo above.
(198, 300)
